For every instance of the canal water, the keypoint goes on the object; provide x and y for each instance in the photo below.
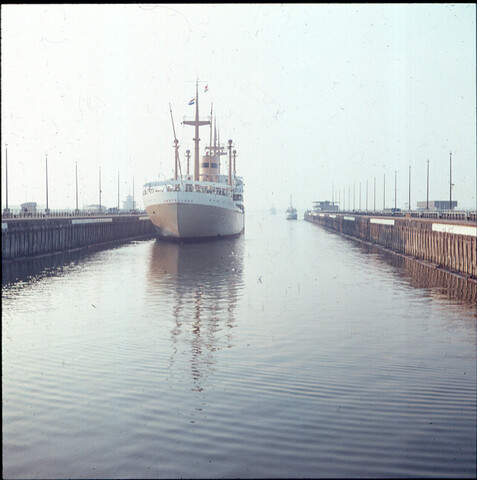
(287, 352)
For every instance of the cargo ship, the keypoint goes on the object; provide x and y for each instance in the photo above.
(202, 205)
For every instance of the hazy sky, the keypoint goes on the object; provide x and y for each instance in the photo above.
(313, 96)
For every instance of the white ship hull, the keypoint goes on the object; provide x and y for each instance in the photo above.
(185, 215)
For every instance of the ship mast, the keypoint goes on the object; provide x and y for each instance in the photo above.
(215, 145)
(210, 142)
(176, 148)
(219, 150)
(230, 163)
(197, 123)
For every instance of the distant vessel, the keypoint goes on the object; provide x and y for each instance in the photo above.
(290, 212)
(273, 210)
(207, 205)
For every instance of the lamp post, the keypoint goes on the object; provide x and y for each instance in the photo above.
(366, 195)
(395, 189)
(76, 169)
(450, 181)
(47, 210)
(6, 210)
(427, 204)
(100, 209)
(384, 192)
(118, 192)
(359, 196)
(409, 187)
(374, 193)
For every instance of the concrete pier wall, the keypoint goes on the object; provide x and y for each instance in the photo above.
(40, 236)
(452, 245)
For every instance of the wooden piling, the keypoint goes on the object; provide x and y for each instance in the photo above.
(39, 236)
(414, 237)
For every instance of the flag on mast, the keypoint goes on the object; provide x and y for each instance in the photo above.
(192, 101)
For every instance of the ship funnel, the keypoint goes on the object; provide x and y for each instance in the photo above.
(209, 167)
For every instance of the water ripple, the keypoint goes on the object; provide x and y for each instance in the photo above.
(289, 352)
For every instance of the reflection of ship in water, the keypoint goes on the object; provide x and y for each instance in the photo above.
(199, 284)
(440, 283)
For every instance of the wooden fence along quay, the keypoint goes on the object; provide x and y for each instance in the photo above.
(448, 244)
(29, 237)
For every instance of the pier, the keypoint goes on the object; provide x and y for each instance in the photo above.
(29, 237)
(448, 244)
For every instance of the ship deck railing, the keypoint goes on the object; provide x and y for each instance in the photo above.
(463, 215)
(17, 213)
(189, 186)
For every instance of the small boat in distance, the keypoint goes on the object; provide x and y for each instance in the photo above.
(273, 210)
(290, 212)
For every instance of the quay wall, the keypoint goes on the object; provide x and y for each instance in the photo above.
(40, 236)
(452, 245)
